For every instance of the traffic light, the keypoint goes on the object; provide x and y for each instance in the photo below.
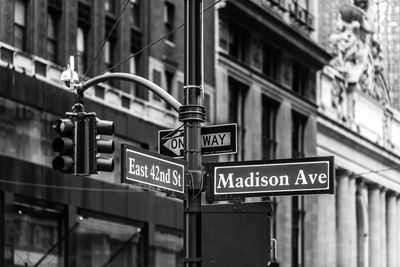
(96, 130)
(64, 145)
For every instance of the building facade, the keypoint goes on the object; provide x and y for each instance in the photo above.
(272, 72)
(358, 124)
(53, 219)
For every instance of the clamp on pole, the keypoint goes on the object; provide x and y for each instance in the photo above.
(192, 113)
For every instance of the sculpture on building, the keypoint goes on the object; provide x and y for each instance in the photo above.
(357, 53)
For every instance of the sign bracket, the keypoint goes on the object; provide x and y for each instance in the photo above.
(237, 203)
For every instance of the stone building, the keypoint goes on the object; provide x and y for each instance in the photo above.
(358, 124)
(269, 71)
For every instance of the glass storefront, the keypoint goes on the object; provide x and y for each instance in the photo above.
(37, 236)
(99, 243)
(168, 249)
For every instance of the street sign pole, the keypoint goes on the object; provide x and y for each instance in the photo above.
(192, 113)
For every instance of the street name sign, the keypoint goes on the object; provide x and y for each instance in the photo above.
(152, 171)
(298, 176)
(215, 140)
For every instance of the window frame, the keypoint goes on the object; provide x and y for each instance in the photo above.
(169, 17)
(269, 137)
(52, 39)
(21, 26)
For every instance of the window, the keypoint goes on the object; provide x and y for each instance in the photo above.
(269, 111)
(37, 232)
(169, 77)
(109, 57)
(168, 249)
(298, 128)
(237, 91)
(52, 37)
(100, 242)
(135, 13)
(109, 6)
(157, 80)
(81, 50)
(233, 40)
(297, 231)
(107, 54)
(271, 61)
(300, 78)
(169, 20)
(20, 24)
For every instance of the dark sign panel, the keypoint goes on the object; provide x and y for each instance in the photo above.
(215, 140)
(236, 235)
(153, 171)
(269, 178)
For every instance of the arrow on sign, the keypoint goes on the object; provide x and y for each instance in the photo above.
(215, 139)
(174, 143)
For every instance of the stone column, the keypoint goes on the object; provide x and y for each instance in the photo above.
(352, 214)
(374, 217)
(383, 228)
(398, 229)
(391, 230)
(343, 222)
(323, 225)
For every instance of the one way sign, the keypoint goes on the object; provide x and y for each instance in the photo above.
(215, 140)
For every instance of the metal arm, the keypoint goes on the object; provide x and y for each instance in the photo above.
(132, 78)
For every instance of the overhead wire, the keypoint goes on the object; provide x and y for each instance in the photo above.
(156, 41)
(106, 39)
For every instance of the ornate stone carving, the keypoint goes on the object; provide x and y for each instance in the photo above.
(357, 53)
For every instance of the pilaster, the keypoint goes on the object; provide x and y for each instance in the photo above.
(391, 230)
(343, 222)
(374, 214)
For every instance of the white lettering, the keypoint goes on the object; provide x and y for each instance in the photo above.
(313, 177)
(225, 181)
(273, 180)
(322, 178)
(248, 182)
(301, 177)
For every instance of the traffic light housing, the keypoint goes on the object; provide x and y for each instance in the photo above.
(64, 144)
(80, 144)
(97, 129)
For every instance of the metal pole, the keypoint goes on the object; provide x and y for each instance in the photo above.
(192, 113)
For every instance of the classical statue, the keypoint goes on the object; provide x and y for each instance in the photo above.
(357, 52)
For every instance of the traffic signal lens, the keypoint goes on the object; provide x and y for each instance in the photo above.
(63, 163)
(62, 145)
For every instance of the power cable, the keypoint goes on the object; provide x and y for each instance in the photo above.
(157, 41)
(106, 39)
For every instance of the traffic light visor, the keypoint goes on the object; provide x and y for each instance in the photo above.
(63, 126)
(105, 127)
(105, 164)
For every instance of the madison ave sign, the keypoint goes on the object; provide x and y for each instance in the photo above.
(269, 178)
(215, 140)
(152, 171)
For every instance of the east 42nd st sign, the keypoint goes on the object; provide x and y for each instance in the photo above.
(269, 178)
(152, 171)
